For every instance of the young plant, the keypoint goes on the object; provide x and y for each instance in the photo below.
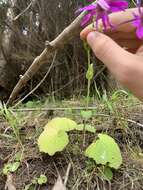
(105, 173)
(106, 152)
(41, 180)
(54, 138)
(12, 120)
(10, 167)
(86, 115)
(108, 102)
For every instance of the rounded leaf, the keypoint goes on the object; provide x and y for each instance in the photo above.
(105, 151)
(42, 179)
(86, 114)
(62, 123)
(10, 167)
(107, 174)
(52, 140)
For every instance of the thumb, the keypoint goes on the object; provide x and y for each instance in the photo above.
(107, 50)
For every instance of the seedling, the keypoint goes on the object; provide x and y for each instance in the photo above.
(12, 120)
(86, 115)
(105, 151)
(54, 138)
(41, 180)
(10, 167)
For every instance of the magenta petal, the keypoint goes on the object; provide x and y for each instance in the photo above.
(139, 32)
(136, 22)
(103, 4)
(115, 9)
(104, 21)
(119, 5)
(87, 8)
(86, 19)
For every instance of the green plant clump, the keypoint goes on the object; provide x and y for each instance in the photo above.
(104, 151)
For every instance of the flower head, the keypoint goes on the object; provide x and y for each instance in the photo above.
(101, 9)
(138, 21)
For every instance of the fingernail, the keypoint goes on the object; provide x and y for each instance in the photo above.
(91, 37)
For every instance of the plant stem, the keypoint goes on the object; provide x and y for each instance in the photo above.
(89, 81)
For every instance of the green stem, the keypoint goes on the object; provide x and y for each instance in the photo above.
(89, 81)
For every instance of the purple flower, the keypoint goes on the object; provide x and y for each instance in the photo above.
(101, 9)
(138, 22)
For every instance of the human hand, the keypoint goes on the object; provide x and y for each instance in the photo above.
(120, 50)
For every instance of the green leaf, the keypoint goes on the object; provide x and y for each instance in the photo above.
(52, 140)
(29, 104)
(18, 156)
(105, 151)
(34, 181)
(28, 187)
(10, 167)
(90, 72)
(62, 123)
(42, 179)
(88, 128)
(107, 174)
(86, 114)
(54, 137)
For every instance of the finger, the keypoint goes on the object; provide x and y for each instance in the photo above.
(123, 19)
(86, 31)
(122, 35)
(91, 28)
(133, 51)
(140, 51)
(109, 52)
(129, 44)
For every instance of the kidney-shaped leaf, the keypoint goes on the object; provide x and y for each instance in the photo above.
(52, 141)
(63, 124)
(105, 151)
